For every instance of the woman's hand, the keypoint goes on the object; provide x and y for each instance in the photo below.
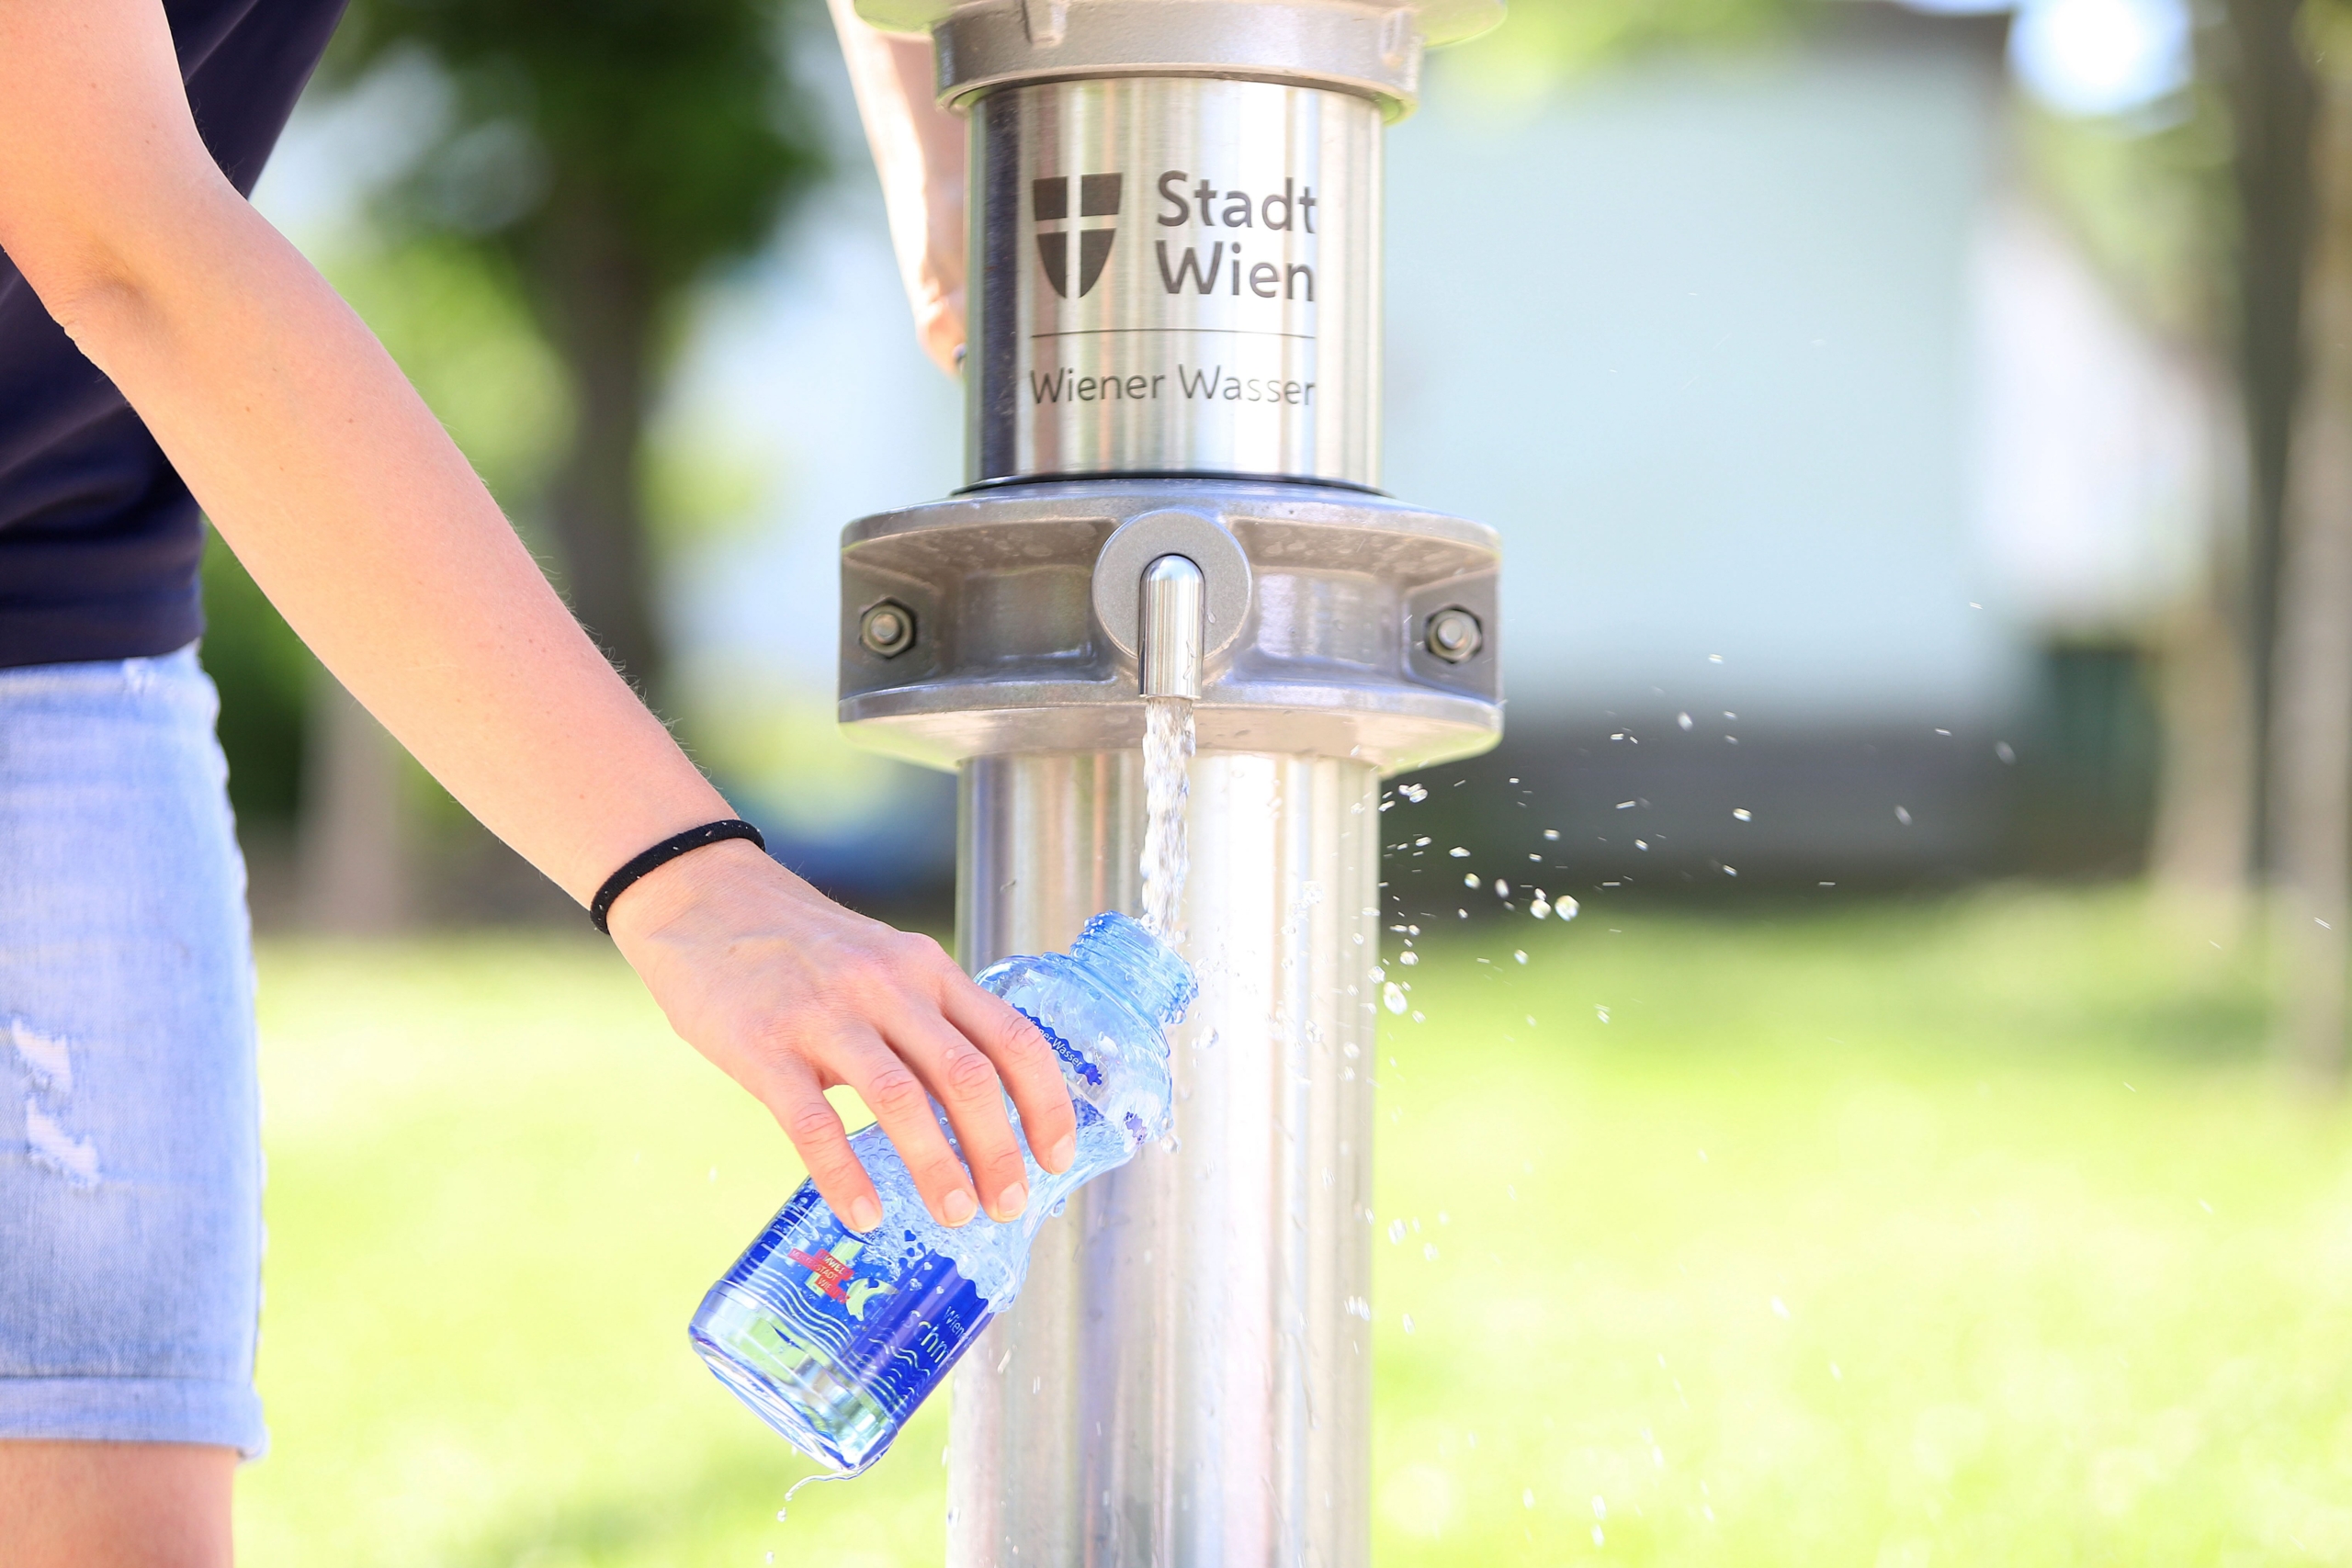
(919, 153)
(790, 994)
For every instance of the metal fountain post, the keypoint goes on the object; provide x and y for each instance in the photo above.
(1172, 393)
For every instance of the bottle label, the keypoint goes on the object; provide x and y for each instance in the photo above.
(886, 1319)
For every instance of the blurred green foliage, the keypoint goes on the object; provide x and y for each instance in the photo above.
(2147, 199)
(1970, 1231)
(1548, 42)
(673, 118)
(264, 675)
(608, 154)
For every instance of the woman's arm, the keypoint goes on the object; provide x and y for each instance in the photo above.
(339, 490)
(919, 153)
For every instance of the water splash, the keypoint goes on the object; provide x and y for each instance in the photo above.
(807, 1481)
(1166, 788)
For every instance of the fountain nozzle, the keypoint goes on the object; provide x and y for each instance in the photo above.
(1168, 648)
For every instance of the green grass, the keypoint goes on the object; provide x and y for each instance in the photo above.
(1971, 1232)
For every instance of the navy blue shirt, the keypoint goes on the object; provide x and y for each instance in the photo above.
(99, 540)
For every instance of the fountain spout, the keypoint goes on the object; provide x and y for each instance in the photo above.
(1171, 623)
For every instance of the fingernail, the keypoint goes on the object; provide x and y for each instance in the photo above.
(1057, 1159)
(864, 1214)
(1011, 1201)
(957, 1207)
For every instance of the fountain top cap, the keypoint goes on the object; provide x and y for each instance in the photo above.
(1439, 22)
(1368, 47)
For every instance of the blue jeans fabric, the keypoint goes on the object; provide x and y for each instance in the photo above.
(130, 1123)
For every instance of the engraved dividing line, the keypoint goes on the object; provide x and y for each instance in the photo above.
(1230, 332)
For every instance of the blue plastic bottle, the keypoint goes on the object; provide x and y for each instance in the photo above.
(835, 1338)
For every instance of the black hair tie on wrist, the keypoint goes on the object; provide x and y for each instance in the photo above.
(662, 854)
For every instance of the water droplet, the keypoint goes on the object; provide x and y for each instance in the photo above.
(1471, 880)
(1566, 908)
(1683, 719)
(1600, 1507)
(1414, 792)
(1421, 843)
(1519, 954)
(1551, 832)
(1741, 814)
(1408, 1321)
(1527, 1499)
(1780, 1308)
(1903, 817)
(1392, 996)
(1502, 888)
(1458, 852)
(1626, 805)
(1395, 1232)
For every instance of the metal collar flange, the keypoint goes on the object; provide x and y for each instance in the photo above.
(1322, 606)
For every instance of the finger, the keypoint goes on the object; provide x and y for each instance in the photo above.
(1025, 1062)
(897, 1097)
(968, 1088)
(808, 1119)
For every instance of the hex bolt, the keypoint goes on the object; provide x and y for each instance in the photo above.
(888, 628)
(1454, 634)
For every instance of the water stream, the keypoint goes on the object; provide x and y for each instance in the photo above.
(1167, 855)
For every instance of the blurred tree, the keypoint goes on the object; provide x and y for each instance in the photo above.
(611, 152)
(2310, 727)
(2147, 199)
(1546, 40)
(2261, 60)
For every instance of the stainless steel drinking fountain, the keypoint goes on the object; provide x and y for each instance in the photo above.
(1175, 353)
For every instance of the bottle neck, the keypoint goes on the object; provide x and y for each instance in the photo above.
(1130, 963)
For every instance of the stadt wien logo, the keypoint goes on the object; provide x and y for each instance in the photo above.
(1098, 196)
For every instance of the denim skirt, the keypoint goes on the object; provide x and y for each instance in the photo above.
(130, 1125)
